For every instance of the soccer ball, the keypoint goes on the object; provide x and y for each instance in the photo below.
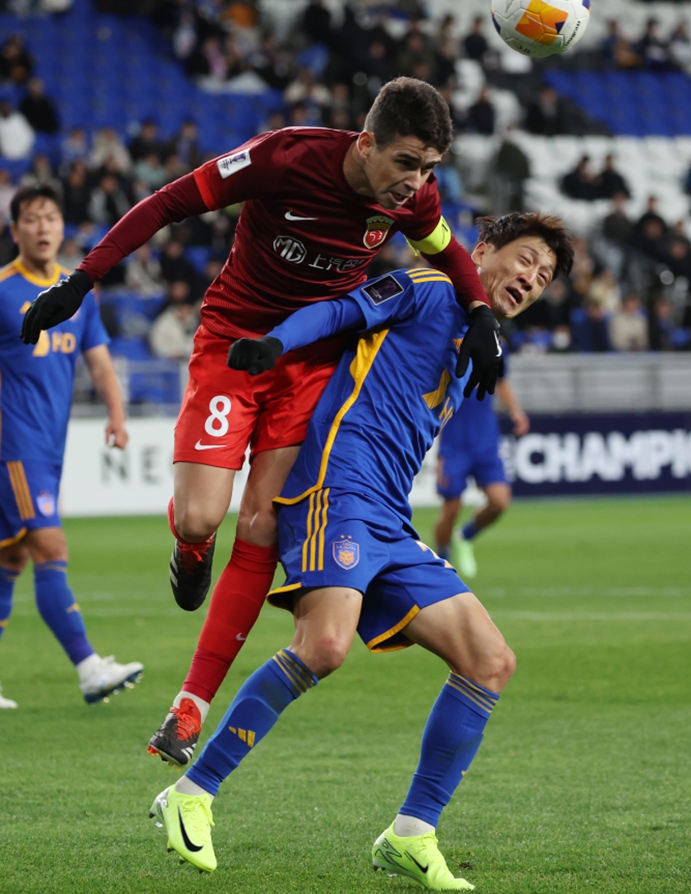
(540, 27)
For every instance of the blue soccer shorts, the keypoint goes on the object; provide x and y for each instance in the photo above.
(28, 498)
(337, 538)
(455, 466)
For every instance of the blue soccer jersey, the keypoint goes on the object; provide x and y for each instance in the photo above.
(36, 381)
(392, 391)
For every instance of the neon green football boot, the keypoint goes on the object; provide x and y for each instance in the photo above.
(463, 557)
(188, 820)
(418, 858)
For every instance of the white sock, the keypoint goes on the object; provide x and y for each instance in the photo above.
(199, 702)
(185, 786)
(85, 667)
(407, 826)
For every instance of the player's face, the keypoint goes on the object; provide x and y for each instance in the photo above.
(515, 275)
(39, 231)
(396, 172)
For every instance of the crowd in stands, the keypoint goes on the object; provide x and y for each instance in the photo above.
(328, 73)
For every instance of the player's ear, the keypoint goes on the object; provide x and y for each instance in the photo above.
(365, 143)
(479, 253)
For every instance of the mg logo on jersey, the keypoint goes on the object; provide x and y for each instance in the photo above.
(290, 249)
(346, 553)
(377, 229)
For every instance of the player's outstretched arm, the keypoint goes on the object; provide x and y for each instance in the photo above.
(307, 325)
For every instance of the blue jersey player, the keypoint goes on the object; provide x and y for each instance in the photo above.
(469, 445)
(35, 399)
(353, 561)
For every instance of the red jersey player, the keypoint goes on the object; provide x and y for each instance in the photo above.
(318, 205)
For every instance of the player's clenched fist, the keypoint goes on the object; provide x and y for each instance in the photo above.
(255, 355)
(55, 305)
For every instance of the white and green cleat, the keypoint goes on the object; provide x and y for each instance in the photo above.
(188, 821)
(418, 858)
(463, 557)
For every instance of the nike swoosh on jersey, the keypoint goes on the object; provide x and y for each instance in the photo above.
(185, 837)
(290, 216)
(200, 446)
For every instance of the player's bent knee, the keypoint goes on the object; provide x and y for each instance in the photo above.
(325, 655)
(259, 526)
(195, 524)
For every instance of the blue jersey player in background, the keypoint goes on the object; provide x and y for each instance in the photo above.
(36, 384)
(469, 445)
(353, 561)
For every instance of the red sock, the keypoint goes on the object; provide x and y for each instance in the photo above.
(235, 605)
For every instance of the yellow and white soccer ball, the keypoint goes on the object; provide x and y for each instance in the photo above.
(540, 27)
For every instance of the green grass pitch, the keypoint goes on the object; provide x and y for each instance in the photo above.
(582, 784)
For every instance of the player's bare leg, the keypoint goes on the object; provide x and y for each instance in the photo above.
(235, 605)
(498, 496)
(326, 622)
(498, 501)
(444, 525)
(201, 499)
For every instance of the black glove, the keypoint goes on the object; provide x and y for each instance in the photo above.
(55, 305)
(255, 355)
(481, 345)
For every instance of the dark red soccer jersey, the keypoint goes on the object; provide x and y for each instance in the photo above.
(304, 234)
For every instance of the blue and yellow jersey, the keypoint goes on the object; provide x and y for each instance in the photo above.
(392, 391)
(36, 381)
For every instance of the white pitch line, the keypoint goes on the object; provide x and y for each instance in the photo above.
(594, 616)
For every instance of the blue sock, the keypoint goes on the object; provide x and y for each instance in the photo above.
(57, 607)
(255, 709)
(470, 530)
(7, 581)
(452, 736)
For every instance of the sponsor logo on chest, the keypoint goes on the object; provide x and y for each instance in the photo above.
(377, 230)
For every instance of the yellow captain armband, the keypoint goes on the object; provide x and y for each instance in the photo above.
(437, 240)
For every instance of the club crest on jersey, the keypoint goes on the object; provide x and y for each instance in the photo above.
(377, 230)
(346, 553)
(46, 503)
(231, 164)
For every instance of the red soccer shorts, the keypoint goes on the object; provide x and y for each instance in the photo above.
(224, 410)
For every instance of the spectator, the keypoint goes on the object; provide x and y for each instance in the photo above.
(172, 333)
(108, 145)
(307, 91)
(143, 273)
(208, 60)
(628, 326)
(677, 252)
(589, 327)
(581, 182)
(449, 180)
(176, 267)
(109, 201)
(604, 290)
(16, 64)
(481, 116)
(611, 181)
(185, 36)
(662, 329)
(75, 145)
(41, 174)
(378, 65)
(146, 142)
(617, 226)
(150, 171)
(651, 213)
(549, 114)
(38, 109)
(414, 53)
(316, 23)
(649, 233)
(651, 49)
(76, 193)
(512, 168)
(71, 253)
(185, 144)
(680, 47)
(616, 50)
(16, 134)
(7, 191)
(475, 44)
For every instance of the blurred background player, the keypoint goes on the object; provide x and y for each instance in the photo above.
(318, 205)
(35, 403)
(469, 444)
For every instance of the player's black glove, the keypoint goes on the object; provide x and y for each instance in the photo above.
(255, 355)
(481, 345)
(55, 305)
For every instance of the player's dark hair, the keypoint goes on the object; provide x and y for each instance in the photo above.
(28, 194)
(499, 231)
(408, 107)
